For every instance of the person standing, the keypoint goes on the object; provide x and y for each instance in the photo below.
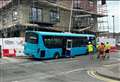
(107, 50)
(101, 50)
(90, 49)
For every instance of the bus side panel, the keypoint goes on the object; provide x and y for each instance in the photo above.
(78, 51)
(51, 52)
(30, 49)
(40, 47)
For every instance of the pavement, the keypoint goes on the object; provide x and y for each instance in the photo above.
(110, 71)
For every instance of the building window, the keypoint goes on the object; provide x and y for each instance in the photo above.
(39, 14)
(14, 15)
(54, 16)
(4, 19)
(36, 14)
(76, 4)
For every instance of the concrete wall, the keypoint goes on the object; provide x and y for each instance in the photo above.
(64, 16)
(24, 11)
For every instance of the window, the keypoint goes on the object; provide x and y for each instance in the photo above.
(78, 42)
(93, 40)
(53, 42)
(31, 38)
(36, 14)
(14, 15)
(54, 16)
(76, 4)
(4, 21)
(69, 43)
(39, 14)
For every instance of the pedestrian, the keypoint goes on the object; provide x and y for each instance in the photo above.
(97, 50)
(90, 49)
(101, 50)
(107, 50)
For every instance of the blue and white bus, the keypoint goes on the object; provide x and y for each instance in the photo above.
(46, 45)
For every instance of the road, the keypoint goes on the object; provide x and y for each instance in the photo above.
(76, 69)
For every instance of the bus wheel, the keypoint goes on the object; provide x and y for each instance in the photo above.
(56, 56)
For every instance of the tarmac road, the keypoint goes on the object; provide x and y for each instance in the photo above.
(62, 70)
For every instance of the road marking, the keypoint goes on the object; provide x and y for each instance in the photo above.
(92, 74)
(61, 61)
(45, 76)
(110, 65)
(62, 73)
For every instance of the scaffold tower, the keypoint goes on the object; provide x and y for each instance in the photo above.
(103, 25)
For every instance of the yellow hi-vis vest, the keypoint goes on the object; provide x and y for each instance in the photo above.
(90, 48)
(107, 46)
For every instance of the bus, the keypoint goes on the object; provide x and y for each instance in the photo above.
(44, 45)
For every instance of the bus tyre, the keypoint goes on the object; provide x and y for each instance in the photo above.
(56, 56)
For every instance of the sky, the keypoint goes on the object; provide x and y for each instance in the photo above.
(113, 7)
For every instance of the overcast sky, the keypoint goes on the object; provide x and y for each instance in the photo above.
(114, 9)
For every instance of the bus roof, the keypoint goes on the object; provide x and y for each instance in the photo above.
(62, 34)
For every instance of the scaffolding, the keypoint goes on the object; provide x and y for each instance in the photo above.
(83, 14)
(103, 25)
(85, 21)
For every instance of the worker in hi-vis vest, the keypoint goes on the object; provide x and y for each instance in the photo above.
(107, 49)
(90, 49)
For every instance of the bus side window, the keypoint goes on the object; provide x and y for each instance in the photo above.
(53, 42)
(69, 44)
(79, 42)
(93, 40)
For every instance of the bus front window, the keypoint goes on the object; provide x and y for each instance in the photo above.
(31, 38)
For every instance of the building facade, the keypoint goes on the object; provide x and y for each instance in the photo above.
(18, 16)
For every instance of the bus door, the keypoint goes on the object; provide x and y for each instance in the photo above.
(64, 47)
(68, 48)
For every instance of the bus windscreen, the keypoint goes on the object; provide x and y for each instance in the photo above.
(31, 38)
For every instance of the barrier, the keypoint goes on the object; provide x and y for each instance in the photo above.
(12, 46)
(113, 49)
(9, 52)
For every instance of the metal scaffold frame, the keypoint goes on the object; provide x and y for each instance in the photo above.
(103, 25)
(86, 13)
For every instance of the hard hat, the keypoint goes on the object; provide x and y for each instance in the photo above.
(89, 42)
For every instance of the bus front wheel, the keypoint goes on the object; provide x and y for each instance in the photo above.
(57, 55)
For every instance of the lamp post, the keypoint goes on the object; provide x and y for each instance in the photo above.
(70, 23)
(113, 26)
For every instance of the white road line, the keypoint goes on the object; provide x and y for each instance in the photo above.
(62, 73)
(92, 74)
(54, 75)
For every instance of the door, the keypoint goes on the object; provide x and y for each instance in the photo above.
(64, 47)
(68, 48)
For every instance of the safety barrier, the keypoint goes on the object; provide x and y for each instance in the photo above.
(9, 52)
(12, 46)
(113, 49)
